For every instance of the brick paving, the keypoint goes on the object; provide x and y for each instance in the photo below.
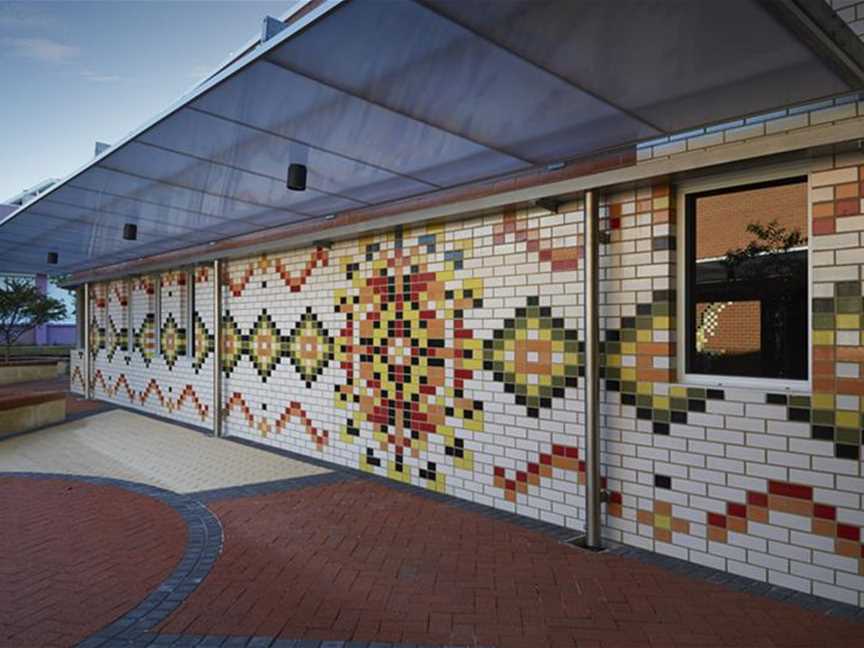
(358, 560)
(75, 556)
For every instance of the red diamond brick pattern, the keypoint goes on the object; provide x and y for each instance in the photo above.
(362, 561)
(74, 557)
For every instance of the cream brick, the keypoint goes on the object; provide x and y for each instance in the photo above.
(835, 113)
(834, 177)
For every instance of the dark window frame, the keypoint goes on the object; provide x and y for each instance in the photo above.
(689, 251)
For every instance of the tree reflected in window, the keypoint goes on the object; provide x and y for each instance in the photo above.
(747, 281)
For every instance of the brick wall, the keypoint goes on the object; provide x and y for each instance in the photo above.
(723, 218)
(735, 327)
(447, 356)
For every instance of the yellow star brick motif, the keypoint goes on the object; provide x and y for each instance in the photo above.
(407, 355)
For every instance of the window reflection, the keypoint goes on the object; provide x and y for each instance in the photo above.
(747, 281)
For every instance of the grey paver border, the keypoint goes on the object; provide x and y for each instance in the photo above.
(340, 473)
(203, 545)
(234, 641)
(275, 486)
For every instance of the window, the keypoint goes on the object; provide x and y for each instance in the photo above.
(746, 281)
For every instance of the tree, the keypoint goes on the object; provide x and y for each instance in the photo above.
(23, 308)
(772, 242)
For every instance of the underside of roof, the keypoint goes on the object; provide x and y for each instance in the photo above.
(384, 101)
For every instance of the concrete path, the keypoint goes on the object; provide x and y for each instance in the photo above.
(132, 447)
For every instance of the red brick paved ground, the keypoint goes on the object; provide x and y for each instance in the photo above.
(359, 560)
(74, 556)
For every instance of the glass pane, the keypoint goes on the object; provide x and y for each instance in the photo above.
(747, 292)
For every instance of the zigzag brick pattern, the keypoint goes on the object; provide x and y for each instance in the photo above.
(448, 356)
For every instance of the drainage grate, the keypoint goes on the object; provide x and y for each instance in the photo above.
(579, 541)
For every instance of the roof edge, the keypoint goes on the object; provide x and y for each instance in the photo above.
(568, 182)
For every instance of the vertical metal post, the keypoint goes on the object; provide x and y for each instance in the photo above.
(593, 495)
(217, 348)
(86, 326)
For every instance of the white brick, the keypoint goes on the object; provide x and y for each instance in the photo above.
(788, 551)
(768, 472)
(789, 521)
(837, 498)
(786, 123)
(852, 581)
(745, 424)
(842, 466)
(777, 412)
(788, 459)
(709, 560)
(850, 224)
(745, 132)
(835, 593)
(834, 242)
(836, 176)
(767, 531)
(835, 561)
(855, 255)
(727, 551)
(746, 541)
(789, 428)
(787, 580)
(812, 541)
(811, 478)
(835, 113)
(743, 569)
(767, 560)
(812, 572)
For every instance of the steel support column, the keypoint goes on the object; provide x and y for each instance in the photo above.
(593, 495)
(217, 348)
(87, 357)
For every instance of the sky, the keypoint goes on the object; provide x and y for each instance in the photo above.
(73, 72)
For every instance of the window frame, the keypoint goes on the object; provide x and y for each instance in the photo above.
(721, 183)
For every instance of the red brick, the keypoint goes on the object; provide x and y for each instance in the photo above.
(824, 511)
(425, 572)
(75, 556)
(848, 532)
(790, 490)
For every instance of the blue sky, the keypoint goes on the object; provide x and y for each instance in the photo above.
(75, 72)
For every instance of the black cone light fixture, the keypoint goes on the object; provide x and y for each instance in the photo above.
(52, 258)
(296, 177)
(130, 232)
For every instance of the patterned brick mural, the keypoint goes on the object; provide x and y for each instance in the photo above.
(448, 356)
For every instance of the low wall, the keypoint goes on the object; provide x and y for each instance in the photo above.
(54, 335)
(60, 335)
(19, 413)
(26, 371)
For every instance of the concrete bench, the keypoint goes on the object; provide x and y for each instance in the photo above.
(22, 412)
(27, 370)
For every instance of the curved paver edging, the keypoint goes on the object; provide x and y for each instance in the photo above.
(203, 545)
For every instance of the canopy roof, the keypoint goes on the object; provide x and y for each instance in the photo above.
(388, 100)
